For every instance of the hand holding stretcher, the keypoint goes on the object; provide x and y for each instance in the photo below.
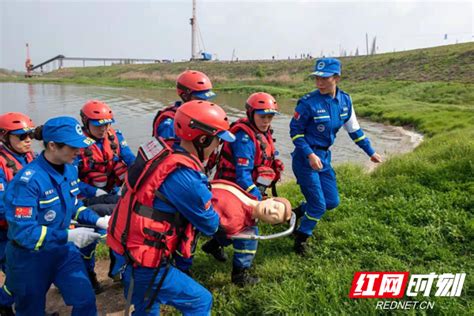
(239, 210)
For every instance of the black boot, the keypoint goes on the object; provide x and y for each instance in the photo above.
(95, 283)
(298, 211)
(213, 248)
(6, 311)
(242, 277)
(301, 243)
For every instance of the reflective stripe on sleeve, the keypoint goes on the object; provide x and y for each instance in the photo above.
(79, 210)
(297, 136)
(359, 139)
(44, 230)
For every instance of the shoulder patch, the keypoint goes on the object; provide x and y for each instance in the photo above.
(2, 187)
(27, 175)
(245, 138)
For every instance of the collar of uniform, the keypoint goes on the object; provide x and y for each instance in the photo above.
(337, 97)
(57, 177)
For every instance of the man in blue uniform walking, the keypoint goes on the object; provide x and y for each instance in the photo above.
(317, 118)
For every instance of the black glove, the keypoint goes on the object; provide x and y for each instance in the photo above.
(221, 233)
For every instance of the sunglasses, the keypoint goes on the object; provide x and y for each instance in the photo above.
(25, 135)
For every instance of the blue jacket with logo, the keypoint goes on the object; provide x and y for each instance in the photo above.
(319, 117)
(126, 155)
(40, 203)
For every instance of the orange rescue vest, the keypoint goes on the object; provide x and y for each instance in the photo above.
(168, 112)
(146, 235)
(105, 161)
(264, 152)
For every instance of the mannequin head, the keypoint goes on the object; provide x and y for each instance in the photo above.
(273, 210)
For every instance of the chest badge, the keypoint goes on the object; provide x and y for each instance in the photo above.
(50, 216)
(321, 128)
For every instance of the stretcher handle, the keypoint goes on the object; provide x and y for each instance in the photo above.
(77, 225)
(250, 235)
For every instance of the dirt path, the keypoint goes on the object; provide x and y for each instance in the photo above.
(110, 302)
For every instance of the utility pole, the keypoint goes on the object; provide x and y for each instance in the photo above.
(28, 64)
(193, 32)
(367, 43)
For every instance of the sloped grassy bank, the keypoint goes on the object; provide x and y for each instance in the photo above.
(414, 213)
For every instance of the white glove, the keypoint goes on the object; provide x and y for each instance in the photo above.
(82, 236)
(103, 222)
(100, 192)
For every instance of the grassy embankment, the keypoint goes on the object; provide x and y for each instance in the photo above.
(414, 213)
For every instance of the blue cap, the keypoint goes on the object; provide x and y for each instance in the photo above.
(66, 130)
(327, 67)
(101, 122)
(204, 95)
(226, 136)
(267, 111)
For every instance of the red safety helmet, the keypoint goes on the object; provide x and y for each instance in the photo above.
(97, 113)
(261, 103)
(198, 117)
(15, 123)
(194, 83)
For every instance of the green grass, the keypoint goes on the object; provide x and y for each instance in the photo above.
(414, 213)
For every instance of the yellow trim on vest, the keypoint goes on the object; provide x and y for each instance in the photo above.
(359, 139)
(296, 137)
(50, 200)
(44, 230)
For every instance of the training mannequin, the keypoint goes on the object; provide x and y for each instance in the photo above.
(238, 209)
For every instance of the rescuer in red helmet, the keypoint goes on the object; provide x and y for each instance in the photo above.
(251, 163)
(190, 85)
(16, 137)
(102, 167)
(166, 199)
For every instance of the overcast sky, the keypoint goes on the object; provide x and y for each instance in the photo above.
(255, 29)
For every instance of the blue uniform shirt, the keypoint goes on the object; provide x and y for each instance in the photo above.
(317, 119)
(188, 191)
(166, 127)
(126, 155)
(243, 150)
(40, 203)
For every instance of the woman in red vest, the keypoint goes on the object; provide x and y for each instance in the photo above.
(16, 136)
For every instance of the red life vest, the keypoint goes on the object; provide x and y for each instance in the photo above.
(95, 160)
(264, 153)
(147, 235)
(168, 112)
(10, 167)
